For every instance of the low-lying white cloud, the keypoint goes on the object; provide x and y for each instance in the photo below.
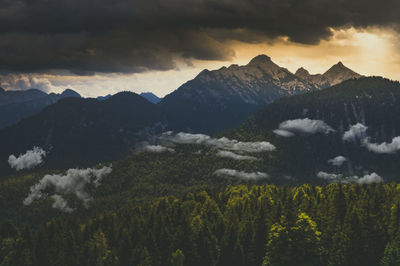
(28, 160)
(73, 182)
(355, 132)
(337, 161)
(329, 176)
(304, 126)
(366, 179)
(157, 148)
(61, 204)
(359, 132)
(240, 174)
(283, 133)
(220, 143)
(232, 155)
(383, 148)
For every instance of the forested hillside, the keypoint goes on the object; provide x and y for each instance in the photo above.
(137, 178)
(81, 132)
(237, 225)
(373, 103)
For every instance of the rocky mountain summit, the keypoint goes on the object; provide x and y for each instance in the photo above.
(335, 75)
(223, 98)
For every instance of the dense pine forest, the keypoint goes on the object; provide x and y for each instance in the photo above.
(331, 224)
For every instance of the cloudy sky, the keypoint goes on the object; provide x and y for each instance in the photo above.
(103, 46)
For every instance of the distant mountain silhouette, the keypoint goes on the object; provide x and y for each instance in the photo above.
(102, 98)
(150, 97)
(78, 132)
(17, 105)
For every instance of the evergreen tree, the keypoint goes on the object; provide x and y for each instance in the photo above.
(294, 245)
(177, 258)
(391, 255)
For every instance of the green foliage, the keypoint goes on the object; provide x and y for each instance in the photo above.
(136, 178)
(236, 226)
(391, 255)
(294, 245)
(177, 258)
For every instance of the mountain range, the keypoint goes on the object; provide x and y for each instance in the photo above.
(292, 140)
(80, 132)
(336, 74)
(221, 99)
(17, 105)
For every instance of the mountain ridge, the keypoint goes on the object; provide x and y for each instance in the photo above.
(151, 97)
(17, 105)
(82, 131)
(227, 96)
(112, 127)
(334, 75)
(366, 101)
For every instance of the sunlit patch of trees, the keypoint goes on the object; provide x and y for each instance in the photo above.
(238, 225)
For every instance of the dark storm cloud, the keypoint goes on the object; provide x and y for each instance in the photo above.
(135, 36)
